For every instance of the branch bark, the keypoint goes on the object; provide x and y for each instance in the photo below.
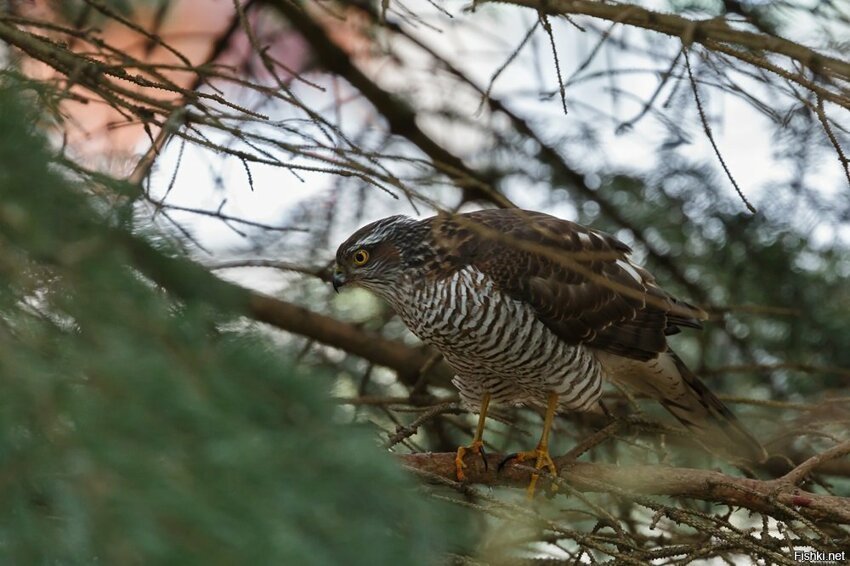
(771, 497)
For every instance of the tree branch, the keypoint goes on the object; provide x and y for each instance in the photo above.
(756, 495)
(408, 362)
(699, 31)
(175, 274)
(798, 474)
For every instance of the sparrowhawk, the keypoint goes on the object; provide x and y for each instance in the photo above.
(531, 309)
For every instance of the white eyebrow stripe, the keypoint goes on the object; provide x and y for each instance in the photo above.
(378, 235)
(372, 238)
(380, 232)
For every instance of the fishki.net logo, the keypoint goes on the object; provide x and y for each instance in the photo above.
(818, 557)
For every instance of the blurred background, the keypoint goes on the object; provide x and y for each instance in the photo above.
(182, 385)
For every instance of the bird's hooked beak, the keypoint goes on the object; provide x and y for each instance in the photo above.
(338, 278)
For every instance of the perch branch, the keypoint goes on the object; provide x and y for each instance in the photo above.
(756, 495)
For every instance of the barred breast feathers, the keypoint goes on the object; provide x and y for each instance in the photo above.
(495, 343)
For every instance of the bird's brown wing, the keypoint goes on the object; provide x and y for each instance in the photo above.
(579, 281)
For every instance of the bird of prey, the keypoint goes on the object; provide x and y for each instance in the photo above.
(531, 309)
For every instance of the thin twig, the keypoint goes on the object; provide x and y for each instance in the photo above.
(707, 129)
(798, 474)
(842, 158)
(561, 85)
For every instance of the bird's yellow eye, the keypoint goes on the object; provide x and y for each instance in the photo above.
(360, 257)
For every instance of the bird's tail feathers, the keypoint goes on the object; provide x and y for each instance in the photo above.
(687, 398)
(717, 414)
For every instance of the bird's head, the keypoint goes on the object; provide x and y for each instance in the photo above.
(377, 255)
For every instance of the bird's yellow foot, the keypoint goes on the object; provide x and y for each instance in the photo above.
(541, 458)
(477, 447)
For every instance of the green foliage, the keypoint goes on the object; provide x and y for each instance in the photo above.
(135, 430)
(740, 260)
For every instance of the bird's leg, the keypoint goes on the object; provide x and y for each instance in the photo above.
(477, 446)
(540, 455)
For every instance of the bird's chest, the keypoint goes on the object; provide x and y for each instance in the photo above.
(496, 344)
(471, 322)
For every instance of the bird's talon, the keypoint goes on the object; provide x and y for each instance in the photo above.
(505, 460)
(477, 447)
(541, 459)
(459, 465)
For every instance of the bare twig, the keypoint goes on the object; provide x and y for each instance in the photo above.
(798, 474)
(707, 129)
(842, 157)
(561, 85)
(322, 273)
